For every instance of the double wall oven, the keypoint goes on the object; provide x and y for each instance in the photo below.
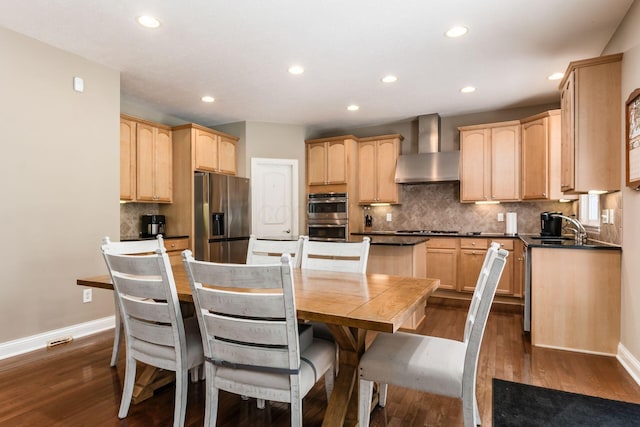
(328, 217)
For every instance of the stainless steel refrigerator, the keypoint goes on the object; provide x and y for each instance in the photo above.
(222, 217)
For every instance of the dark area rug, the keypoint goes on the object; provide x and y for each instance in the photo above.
(516, 404)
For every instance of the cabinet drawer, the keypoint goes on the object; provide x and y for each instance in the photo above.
(474, 243)
(506, 244)
(176, 244)
(442, 243)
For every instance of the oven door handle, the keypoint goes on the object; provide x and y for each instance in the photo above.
(327, 225)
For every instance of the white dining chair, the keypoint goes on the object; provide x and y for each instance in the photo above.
(125, 248)
(432, 364)
(346, 257)
(264, 251)
(156, 334)
(247, 316)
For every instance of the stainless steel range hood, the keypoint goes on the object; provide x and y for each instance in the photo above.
(426, 162)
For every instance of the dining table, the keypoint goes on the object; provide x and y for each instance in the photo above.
(350, 304)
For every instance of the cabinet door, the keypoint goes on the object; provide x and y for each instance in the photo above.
(505, 285)
(443, 264)
(227, 155)
(386, 157)
(470, 264)
(535, 159)
(474, 164)
(505, 163)
(127, 160)
(336, 165)
(316, 161)
(206, 151)
(145, 162)
(367, 171)
(567, 105)
(163, 174)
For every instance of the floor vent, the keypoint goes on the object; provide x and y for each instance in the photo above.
(59, 341)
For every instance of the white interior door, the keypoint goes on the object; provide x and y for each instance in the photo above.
(274, 197)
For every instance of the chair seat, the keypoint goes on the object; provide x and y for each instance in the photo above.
(314, 361)
(429, 364)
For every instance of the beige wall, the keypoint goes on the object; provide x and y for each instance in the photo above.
(627, 40)
(60, 191)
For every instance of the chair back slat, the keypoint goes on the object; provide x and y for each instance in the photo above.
(239, 276)
(347, 257)
(141, 265)
(134, 246)
(258, 357)
(262, 251)
(150, 311)
(241, 303)
(142, 287)
(151, 332)
(259, 332)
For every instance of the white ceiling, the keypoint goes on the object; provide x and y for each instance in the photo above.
(239, 50)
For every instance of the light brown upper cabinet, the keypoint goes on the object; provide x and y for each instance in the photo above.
(490, 162)
(127, 159)
(591, 116)
(154, 164)
(329, 160)
(214, 151)
(541, 146)
(145, 161)
(377, 158)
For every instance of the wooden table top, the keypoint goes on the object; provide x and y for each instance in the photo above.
(375, 302)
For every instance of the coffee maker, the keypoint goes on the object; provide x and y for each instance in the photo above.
(550, 225)
(151, 225)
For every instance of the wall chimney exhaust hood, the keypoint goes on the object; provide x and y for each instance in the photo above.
(426, 162)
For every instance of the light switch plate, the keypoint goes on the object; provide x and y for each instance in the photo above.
(611, 216)
(389, 216)
(605, 216)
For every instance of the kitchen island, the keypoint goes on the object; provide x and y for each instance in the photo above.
(573, 294)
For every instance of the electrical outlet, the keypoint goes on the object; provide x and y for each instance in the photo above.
(500, 217)
(605, 216)
(389, 217)
(611, 216)
(86, 295)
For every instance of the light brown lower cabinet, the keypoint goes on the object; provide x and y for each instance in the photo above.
(457, 263)
(174, 250)
(575, 299)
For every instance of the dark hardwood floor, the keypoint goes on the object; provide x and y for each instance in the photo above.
(73, 385)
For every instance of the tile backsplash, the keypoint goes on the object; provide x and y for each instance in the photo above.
(437, 207)
(130, 217)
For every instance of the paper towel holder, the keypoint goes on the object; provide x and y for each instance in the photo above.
(512, 224)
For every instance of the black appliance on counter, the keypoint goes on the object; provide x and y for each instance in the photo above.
(151, 225)
(550, 225)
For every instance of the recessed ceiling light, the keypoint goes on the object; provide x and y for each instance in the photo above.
(208, 98)
(148, 21)
(556, 76)
(389, 79)
(353, 107)
(468, 89)
(296, 69)
(456, 31)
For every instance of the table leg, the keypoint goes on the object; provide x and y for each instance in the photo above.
(342, 409)
(149, 380)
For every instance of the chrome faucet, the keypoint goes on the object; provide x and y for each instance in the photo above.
(580, 234)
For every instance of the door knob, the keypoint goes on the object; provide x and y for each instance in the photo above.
(287, 231)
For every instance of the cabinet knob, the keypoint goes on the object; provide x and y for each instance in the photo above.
(473, 243)
(173, 245)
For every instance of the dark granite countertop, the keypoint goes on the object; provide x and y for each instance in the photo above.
(533, 241)
(565, 242)
(132, 238)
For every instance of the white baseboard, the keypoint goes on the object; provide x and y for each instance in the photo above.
(35, 342)
(630, 363)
